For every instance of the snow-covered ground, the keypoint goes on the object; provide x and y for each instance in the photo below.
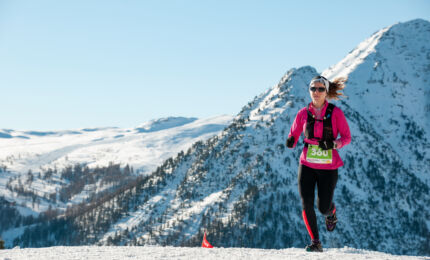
(154, 252)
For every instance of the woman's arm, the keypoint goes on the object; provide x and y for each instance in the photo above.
(296, 128)
(343, 129)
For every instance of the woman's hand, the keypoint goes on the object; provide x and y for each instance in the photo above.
(290, 142)
(326, 145)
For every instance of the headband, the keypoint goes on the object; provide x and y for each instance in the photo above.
(322, 80)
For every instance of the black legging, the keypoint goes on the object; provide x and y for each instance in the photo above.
(326, 182)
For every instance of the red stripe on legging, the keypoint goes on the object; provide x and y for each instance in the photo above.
(334, 210)
(307, 225)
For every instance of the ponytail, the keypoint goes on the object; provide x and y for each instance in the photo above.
(336, 85)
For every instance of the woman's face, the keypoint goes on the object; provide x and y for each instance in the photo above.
(318, 97)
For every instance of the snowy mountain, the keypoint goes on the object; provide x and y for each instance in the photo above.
(241, 185)
(144, 147)
(41, 171)
(164, 123)
(388, 83)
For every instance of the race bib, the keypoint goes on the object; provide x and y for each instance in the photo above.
(317, 155)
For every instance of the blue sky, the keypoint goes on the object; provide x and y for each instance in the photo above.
(76, 64)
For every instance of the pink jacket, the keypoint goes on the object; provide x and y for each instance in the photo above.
(340, 126)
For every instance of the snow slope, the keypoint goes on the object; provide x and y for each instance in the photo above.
(150, 252)
(144, 147)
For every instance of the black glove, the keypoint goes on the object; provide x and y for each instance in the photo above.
(290, 142)
(326, 145)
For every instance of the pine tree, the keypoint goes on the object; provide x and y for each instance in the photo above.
(1, 244)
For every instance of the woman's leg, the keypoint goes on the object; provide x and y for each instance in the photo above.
(307, 181)
(326, 182)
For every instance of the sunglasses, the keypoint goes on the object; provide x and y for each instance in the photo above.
(313, 89)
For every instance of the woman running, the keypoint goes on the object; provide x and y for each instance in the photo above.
(321, 123)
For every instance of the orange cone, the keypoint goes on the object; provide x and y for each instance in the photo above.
(205, 243)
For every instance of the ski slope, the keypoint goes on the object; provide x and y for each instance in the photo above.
(150, 252)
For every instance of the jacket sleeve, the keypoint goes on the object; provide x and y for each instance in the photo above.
(343, 129)
(297, 127)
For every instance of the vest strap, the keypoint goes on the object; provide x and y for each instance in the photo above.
(327, 124)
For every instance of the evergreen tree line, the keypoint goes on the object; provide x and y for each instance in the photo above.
(86, 222)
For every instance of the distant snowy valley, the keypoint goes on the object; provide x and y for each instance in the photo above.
(42, 172)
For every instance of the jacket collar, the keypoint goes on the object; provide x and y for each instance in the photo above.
(323, 109)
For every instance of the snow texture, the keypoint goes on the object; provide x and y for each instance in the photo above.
(155, 252)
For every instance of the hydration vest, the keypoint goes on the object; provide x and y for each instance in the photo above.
(327, 134)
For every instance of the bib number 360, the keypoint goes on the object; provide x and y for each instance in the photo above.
(317, 155)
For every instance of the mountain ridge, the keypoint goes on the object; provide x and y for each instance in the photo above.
(398, 72)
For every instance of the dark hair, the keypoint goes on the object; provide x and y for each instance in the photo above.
(336, 85)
